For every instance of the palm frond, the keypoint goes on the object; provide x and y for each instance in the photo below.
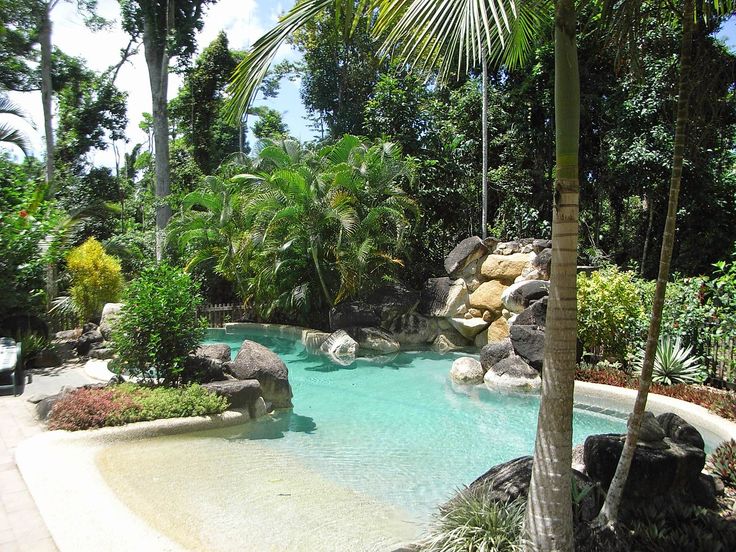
(10, 135)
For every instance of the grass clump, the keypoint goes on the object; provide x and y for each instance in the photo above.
(474, 522)
(89, 408)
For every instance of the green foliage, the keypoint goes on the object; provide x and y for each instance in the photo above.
(308, 230)
(88, 408)
(673, 363)
(610, 313)
(158, 325)
(722, 462)
(473, 522)
(96, 279)
(270, 124)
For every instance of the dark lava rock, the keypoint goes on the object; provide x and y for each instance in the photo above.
(528, 292)
(218, 351)
(494, 352)
(433, 297)
(542, 263)
(354, 313)
(528, 342)
(680, 431)
(241, 394)
(201, 369)
(654, 471)
(540, 245)
(89, 327)
(534, 315)
(514, 367)
(463, 254)
(254, 361)
(86, 340)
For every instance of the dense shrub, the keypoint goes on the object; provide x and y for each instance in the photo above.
(610, 313)
(89, 408)
(473, 522)
(96, 279)
(723, 462)
(158, 325)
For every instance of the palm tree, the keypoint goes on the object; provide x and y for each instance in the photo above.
(609, 513)
(9, 134)
(458, 34)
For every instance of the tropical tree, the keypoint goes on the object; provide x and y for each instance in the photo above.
(9, 133)
(167, 29)
(609, 512)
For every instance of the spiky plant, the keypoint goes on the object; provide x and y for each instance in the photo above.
(674, 363)
(723, 462)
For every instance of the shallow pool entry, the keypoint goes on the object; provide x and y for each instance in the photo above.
(396, 428)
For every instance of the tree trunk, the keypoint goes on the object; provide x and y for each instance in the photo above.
(649, 198)
(548, 522)
(46, 94)
(484, 215)
(157, 60)
(609, 512)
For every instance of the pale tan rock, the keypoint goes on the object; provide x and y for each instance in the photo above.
(488, 316)
(468, 315)
(449, 340)
(488, 296)
(477, 313)
(498, 330)
(505, 268)
(468, 327)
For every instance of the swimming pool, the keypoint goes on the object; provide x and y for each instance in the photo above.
(368, 451)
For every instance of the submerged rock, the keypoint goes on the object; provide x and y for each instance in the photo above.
(340, 347)
(466, 370)
(254, 361)
(374, 339)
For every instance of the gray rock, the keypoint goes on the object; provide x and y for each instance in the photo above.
(349, 314)
(513, 374)
(378, 309)
(494, 352)
(680, 431)
(67, 335)
(514, 367)
(442, 297)
(414, 329)
(87, 339)
(466, 370)
(534, 315)
(520, 295)
(110, 313)
(654, 471)
(241, 394)
(528, 342)
(650, 432)
(449, 340)
(542, 263)
(88, 327)
(374, 339)
(254, 361)
(202, 369)
(340, 347)
(218, 351)
(102, 353)
(313, 339)
(539, 245)
(47, 358)
(464, 253)
(703, 492)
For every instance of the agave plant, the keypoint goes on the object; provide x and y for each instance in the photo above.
(674, 363)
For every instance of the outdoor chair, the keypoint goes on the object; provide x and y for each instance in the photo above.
(10, 363)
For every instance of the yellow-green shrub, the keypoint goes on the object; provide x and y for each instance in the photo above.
(96, 278)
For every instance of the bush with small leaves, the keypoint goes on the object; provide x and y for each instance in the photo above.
(158, 326)
(96, 279)
(723, 462)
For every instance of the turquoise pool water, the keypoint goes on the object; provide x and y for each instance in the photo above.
(397, 430)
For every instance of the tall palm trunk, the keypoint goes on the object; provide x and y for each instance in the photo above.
(157, 60)
(609, 513)
(44, 39)
(484, 215)
(548, 522)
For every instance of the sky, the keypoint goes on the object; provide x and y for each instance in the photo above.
(244, 21)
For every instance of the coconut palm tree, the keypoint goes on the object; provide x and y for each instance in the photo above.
(9, 134)
(457, 34)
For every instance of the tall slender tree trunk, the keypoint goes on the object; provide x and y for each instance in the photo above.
(157, 60)
(484, 215)
(47, 93)
(548, 522)
(649, 199)
(609, 512)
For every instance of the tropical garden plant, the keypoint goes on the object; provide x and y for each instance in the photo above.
(96, 279)
(673, 363)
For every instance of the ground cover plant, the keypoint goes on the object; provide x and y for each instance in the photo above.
(94, 407)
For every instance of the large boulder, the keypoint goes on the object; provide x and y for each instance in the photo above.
(254, 361)
(528, 342)
(340, 347)
(467, 251)
(349, 314)
(414, 329)
(313, 339)
(505, 268)
(498, 330)
(377, 309)
(375, 340)
(655, 471)
(680, 431)
(494, 353)
(218, 351)
(442, 297)
(202, 369)
(241, 394)
(466, 370)
(86, 340)
(512, 373)
(520, 295)
(542, 264)
(469, 327)
(488, 297)
(110, 313)
(534, 315)
(449, 340)
(540, 245)
(510, 481)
